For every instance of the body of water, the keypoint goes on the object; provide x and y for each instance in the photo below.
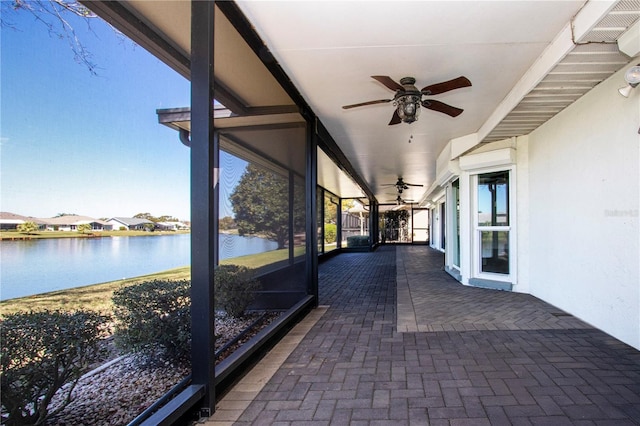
(39, 266)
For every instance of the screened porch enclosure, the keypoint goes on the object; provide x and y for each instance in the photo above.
(262, 198)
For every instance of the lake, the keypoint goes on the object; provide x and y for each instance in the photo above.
(38, 266)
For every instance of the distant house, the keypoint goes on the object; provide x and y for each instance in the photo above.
(10, 221)
(172, 226)
(130, 223)
(71, 222)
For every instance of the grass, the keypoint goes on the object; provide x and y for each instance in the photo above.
(259, 260)
(97, 297)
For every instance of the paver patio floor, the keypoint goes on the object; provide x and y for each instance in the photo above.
(397, 341)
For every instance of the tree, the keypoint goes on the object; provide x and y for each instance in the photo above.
(163, 218)
(348, 204)
(260, 203)
(330, 233)
(330, 211)
(27, 227)
(226, 222)
(84, 227)
(54, 15)
(146, 216)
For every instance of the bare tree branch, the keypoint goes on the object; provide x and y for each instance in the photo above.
(54, 14)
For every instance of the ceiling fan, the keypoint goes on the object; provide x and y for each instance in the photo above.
(400, 201)
(401, 185)
(408, 98)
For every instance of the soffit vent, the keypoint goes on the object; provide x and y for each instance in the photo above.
(594, 59)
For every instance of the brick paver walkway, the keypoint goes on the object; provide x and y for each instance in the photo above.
(449, 355)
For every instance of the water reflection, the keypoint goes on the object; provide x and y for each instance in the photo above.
(39, 266)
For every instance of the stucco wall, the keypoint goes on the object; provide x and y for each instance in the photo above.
(584, 191)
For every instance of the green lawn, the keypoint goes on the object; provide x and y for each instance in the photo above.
(97, 297)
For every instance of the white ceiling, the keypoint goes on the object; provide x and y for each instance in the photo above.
(527, 60)
(329, 49)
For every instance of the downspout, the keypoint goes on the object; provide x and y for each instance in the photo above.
(185, 137)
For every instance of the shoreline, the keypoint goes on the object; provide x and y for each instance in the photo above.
(17, 236)
(95, 297)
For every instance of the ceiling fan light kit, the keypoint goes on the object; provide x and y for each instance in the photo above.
(407, 102)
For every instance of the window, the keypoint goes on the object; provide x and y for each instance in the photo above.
(455, 225)
(443, 234)
(493, 225)
(330, 222)
(355, 220)
(420, 225)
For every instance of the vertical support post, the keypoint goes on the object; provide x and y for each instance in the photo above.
(373, 214)
(339, 225)
(311, 183)
(291, 216)
(204, 224)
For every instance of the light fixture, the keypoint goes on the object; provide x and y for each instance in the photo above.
(408, 102)
(408, 108)
(632, 77)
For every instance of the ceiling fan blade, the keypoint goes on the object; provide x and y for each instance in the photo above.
(395, 119)
(442, 107)
(412, 184)
(445, 86)
(379, 101)
(387, 81)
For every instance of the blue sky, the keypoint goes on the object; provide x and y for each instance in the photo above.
(73, 142)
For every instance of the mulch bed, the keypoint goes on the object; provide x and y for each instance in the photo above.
(124, 386)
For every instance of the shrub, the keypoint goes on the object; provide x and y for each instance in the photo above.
(27, 228)
(330, 232)
(358, 241)
(154, 317)
(235, 289)
(40, 353)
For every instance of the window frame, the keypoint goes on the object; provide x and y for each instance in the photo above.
(477, 229)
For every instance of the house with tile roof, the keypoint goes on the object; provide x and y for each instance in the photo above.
(71, 222)
(10, 221)
(130, 223)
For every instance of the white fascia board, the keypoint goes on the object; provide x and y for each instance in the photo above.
(447, 165)
(629, 42)
(427, 198)
(443, 160)
(445, 170)
(500, 157)
(433, 194)
(447, 173)
(587, 18)
(463, 144)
